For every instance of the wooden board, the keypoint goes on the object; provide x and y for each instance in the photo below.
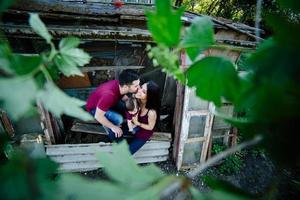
(69, 149)
(93, 165)
(83, 157)
(74, 81)
(98, 129)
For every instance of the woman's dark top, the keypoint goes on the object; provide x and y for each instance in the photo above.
(143, 133)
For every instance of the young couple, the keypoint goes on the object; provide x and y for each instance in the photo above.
(107, 105)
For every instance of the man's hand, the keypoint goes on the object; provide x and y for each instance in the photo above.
(118, 131)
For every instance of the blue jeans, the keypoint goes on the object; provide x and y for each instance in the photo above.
(117, 119)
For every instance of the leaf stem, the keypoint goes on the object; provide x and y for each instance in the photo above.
(46, 73)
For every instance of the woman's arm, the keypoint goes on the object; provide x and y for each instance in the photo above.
(151, 121)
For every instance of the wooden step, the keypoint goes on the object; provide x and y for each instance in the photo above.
(98, 129)
(82, 157)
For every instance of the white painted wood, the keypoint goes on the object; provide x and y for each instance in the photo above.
(92, 156)
(93, 149)
(207, 133)
(92, 165)
(191, 111)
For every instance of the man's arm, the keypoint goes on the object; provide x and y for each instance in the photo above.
(99, 116)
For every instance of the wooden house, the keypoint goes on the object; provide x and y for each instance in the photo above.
(116, 38)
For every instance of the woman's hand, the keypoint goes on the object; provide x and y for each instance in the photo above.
(135, 120)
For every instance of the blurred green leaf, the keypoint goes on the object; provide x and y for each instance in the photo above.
(25, 64)
(76, 55)
(4, 4)
(199, 36)
(224, 190)
(213, 78)
(67, 66)
(290, 4)
(59, 103)
(39, 27)
(68, 43)
(282, 27)
(72, 186)
(31, 178)
(130, 175)
(165, 24)
(5, 57)
(162, 55)
(53, 71)
(17, 95)
(196, 194)
(154, 190)
(70, 57)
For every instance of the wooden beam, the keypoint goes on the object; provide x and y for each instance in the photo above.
(71, 149)
(98, 129)
(7, 124)
(99, 33)
(92, 165)
(101, 68)
(46, 124)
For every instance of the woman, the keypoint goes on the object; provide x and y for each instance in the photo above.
(149, 100)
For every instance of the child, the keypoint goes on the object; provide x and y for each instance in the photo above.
(132, 107)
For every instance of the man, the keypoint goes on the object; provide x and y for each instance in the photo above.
(106, 96)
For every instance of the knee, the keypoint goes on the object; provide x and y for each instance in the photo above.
(118, 120)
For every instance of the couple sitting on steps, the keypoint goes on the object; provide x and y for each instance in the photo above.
(110, 102)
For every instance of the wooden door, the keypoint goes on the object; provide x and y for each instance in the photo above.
(193, 136)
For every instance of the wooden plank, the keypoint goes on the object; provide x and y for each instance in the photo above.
(177, 119)
(102, 68)
(207, 133)
(88, 128)
(7, 125)
(98, 129)
(161, 136)
(197, 139)
(68, 150)
(151, 142)
(46, 124)
(103, 33)
(92, 165)
(93, 157)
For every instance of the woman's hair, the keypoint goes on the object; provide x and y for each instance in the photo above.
(153, 97)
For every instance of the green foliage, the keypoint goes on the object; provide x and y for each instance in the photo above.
(70, 57)
(4, 4)
(168, 59)
(141, 176)
(17, 95)
(35, 179)
(198, 37)
(31, 77)
(213, 78)
(23, 178)
(165, 24)
(138, 182)
(291, 4)
(58, 102)
(268, 93)
(39, 27)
